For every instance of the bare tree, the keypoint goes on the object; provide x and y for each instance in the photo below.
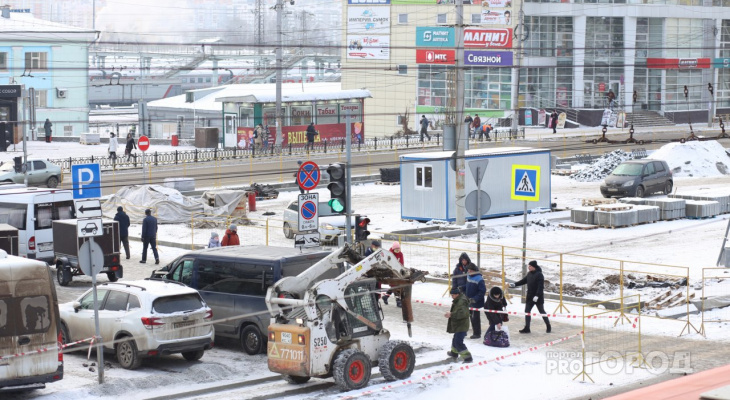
(405, 126)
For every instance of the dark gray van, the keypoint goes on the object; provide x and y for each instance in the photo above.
(233, 282)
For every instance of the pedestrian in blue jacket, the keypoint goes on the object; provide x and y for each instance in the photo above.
(149, 236)
(123, 219)
(475, 291)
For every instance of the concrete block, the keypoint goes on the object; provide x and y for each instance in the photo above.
(702, 208)
(582, 215)
(616, 218)
(180, 184)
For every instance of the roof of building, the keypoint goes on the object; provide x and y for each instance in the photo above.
(473, 153)
(210, 99)
(20, 23)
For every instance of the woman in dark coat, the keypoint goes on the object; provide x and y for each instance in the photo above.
(495, 302)
(130, 146)
(554, 121)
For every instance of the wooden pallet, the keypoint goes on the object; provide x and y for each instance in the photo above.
(90, 143)
(614, 207)
(700, 217)
(579, 226)
(387, 183)
(617, 227)
(596, 201)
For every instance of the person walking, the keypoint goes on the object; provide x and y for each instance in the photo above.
(477, 123)
(311, 133)
(113, 145)
(611, 96)
(395, 249)
(258, 134)
(458, 277)
(265, 137)
(47, 127)
(495, 302)
(231, 237)
(214, 240)
(123, 219)
(554, 121)
(535, 297)
(475, 291)
(149, 236)
(458, 324)
(424, 128)
(131, 145)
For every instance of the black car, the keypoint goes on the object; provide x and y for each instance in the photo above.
(637, 178)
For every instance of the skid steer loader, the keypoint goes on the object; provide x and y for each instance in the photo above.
(334, 327)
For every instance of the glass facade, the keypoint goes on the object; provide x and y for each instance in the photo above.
(604, 60)
(648, 82)
(488, 88)
(432, 81)
(723, 75)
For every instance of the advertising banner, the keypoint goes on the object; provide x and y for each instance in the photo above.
(721, 63)
(493, 3)
(678, 63)
(488, 58)
(497, 38)
(541, 116)
(368, 47)
(496, 17)
(368, 20)
(528, 117)
(327, 113)
(297, 135)
(368, 2)
(441, 57)
(355, 110)
(439, 36)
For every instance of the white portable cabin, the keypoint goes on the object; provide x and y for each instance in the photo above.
(428, 182)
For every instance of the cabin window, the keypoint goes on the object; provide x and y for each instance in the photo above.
(424, 177)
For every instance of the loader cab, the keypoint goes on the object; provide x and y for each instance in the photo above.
(362, 300)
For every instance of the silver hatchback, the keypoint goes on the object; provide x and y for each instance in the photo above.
(40, 173)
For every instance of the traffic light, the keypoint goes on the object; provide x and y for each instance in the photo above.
(361, 228)
(338, 188)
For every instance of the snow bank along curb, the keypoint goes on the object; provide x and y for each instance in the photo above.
(45, 349)
(463, 367)
(695, 158)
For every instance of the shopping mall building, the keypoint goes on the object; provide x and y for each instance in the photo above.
(574, 52)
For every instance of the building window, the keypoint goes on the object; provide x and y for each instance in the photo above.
(432, 87)
(41, 98)
(476, 18)
(488, 88)
(3, 61)
(424, 177)
(36, 61)
(68, 130)
(441, 19)
(399, 120)
(402, 69)
(402, 18)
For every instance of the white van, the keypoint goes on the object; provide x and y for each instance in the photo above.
(32, 211)
(29, 321)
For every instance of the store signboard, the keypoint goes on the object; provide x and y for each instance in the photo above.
(678, 63)
(436, 56)
(496, 38)
(368, 20)
(721, 63)
(368, 2)
(488, 58)
(366, 47)
(439, 36)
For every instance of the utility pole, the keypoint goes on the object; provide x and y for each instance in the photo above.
(93, 16)
(279, 66)
(348, 179)
(461, 137)
(516, 73)
(259, 33)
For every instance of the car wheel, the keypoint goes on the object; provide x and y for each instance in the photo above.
(127, 354)
(640, 191)
(668, 187)
(112, 276)
(52, 182)
(65, 337)
(193, 355)
(63, 275)
(288, 232)
(606, 195)
(251, 340)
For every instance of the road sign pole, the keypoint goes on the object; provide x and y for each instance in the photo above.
(99, 346)
(479, 222)
(144, 167)
(524, 251)
(348, 211)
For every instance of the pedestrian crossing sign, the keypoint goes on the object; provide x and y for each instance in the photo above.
(525, 182)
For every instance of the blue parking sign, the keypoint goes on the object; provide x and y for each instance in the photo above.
(86, 181)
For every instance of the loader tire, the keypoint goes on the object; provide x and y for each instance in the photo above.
(396, 360)
(352, 370)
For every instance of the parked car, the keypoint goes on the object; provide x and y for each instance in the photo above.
(140, 319)
(29, 320)
(637, 178)
(233, 281)
(40, 173)
(331, 227)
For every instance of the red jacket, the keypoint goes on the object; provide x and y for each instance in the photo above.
(399, 256)
(230, 238)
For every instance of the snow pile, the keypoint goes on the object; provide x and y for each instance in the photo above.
(697, 159)
(602, 167)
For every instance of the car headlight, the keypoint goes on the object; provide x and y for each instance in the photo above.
(327, 227)
(628, 183)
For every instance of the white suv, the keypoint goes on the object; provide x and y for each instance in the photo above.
(141, 319)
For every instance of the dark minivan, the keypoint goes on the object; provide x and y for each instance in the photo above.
(233, 281)
(637, 178)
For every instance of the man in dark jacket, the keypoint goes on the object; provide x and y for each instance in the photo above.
(495, 302)
(311, 133)
(424, 127)
(535, 296)
(458, 325)
(374, 246)
(123, 219)
(469, 121)
(149, 236)
(475, 291)
(458, 277)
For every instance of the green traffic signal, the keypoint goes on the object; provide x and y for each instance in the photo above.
(336, 205)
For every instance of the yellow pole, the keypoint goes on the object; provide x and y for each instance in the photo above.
(448, 267)
(192, 231)
(250, 171)
(368, 153)
(281, 166)
(267, 231)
